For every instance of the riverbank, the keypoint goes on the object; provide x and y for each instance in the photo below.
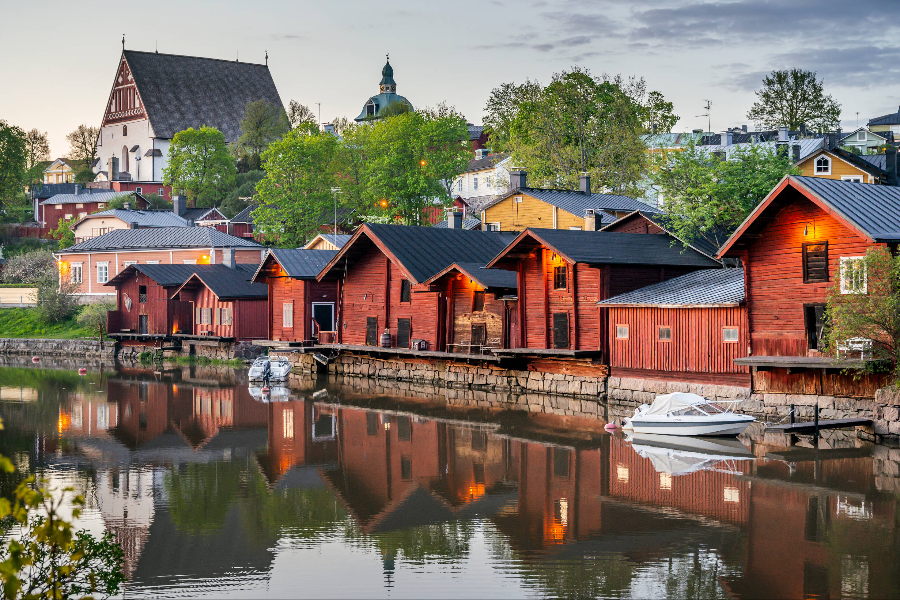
(75, 349)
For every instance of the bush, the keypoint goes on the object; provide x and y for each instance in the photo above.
(56, 301)
(30, 268)
(94, 315)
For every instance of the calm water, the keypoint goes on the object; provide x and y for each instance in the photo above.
(352, 493)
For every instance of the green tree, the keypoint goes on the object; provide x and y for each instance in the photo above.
(37, 148)
(83, 145)
(708, 196)
(297, 187)
(198, 160)
(56, 300)
(65, 233)
(301, 116)
(792, 98)
(263, 123)
(658, 114)
(864, 302)
(242, 192)
(29, 267)
(13, 163)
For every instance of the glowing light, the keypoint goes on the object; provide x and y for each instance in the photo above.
(423, 163)
(63, 423)
(384, 203)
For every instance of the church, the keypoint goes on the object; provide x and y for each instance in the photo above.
(387, 95)
(154, 96)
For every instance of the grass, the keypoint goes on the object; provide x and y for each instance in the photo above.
(28, 323)
(203, 360)
(18, 285)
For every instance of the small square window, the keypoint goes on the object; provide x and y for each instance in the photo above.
(493, 226)
(823, 165)
(729, 334)
(559, 278)
(161, 192)
(621, 332)
(518, 199)
(665, 334)
(139, 190)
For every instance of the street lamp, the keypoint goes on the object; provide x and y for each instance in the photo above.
(335, 192)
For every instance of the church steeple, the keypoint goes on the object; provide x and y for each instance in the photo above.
(387, 85)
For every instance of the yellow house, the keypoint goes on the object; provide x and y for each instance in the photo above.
(327, 241)
(525, 207)
(61, 170)
(842, 165)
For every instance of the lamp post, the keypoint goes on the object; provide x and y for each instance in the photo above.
(335, 192)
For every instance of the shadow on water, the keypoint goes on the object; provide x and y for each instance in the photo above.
(359, 488)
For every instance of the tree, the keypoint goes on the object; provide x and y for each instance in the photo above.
(65, 233)
(242, 193)
(83, 144)
(793, 98)
(864, 302)
(198, 160)
(263, 123)
(709, 196)
(659, 115)
(296, 190)
(30, 267)
(37, 149)
(56, 300)
(300, 115)
(13, 163)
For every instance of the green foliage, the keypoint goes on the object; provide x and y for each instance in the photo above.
(301, 116)
(199, 161)
(241, 193)
(263, 123)
(28, 323)
(83, 147)
(13, 163)
(29, 267)
(794, 97)
(300, 173)
(56, 300)
(706, 196)
(64, 233)
(12, 249)
(93, 316)
(873, 313)
(84, 174)
(118, 201)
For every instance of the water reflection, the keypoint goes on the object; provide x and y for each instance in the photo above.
(212, 490)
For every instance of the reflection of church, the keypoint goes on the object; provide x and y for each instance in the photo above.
(387, 95)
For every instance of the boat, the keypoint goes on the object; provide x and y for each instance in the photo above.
(680, 455)
(260, 368)
(279, 367)
(270, 394)
(685, 414)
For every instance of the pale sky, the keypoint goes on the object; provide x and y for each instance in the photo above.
(58, 59)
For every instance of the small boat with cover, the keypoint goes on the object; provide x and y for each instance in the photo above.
(681, 413)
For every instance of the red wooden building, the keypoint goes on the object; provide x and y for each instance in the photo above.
(690, 328)
(655, 223)
(562, 274)
(77, 205)
(299, 306)
(384, 270)
(226, 304)
(795, 247)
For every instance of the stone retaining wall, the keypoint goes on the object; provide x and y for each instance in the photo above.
(88, 349)
(625, 394)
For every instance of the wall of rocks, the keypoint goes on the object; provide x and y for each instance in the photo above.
(86, 349)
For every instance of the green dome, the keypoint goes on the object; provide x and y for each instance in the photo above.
(387, 74)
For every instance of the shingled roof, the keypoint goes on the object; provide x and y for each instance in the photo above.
(298, 262)
(179, 92)
(709, 287)
(161, 237)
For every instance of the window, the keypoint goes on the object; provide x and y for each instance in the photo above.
(561, 462)
(474, 183)
(124, 129)
(478, 301)
(226, 318)
(405, 291)
(665, 334)
(622, 473)
(731, 494)
(152, 262)
(405, 468)
(102, 272)
(559, 278)
(82, 215)
(206, 316)
(404, 429)
(79, 206)
(493, 226)
(101, 205)
(853, 275)
(621, 332)
(560, 330)
(518, 199)
(288, 424)
(729, 334)
(371, 423)
(575, 228)
(815, 262)
(58, 207)
(142, 294)
(287, 314)
(139, 190)
(814, 318)
(823, 165)
(68, 216)
(161, 192)
(76, 272)
(459, 186)
(665, 481)
(861, 136)
(404, 329)
(128, 263)
(852, 178)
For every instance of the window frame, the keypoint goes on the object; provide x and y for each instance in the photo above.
(853, 178)
(405, 291)
(737, 331)
(478, 306)
(804, 251)
(827, 160)
(659, 333)
(105, 266)
(287, 315)
(845, 260)
(493, 226)
(560, 272)
(625, 327)
(79, 267)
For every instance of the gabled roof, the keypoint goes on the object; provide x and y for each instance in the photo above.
(577, 203)
(48, 190)
(420, 252)
(852, 159)
(244, 216)
(882, 135)
(143, 218)
(878, 160)
(486, 278)
(337, 240)
(700, 244)
(477, 204)
(475, 131)
(179, 92)
(708, 287)
(174, 275)
(488, 162)
(161, 237)
(604, 247)
(891, 119)
(298, 262)
(87, 195)
(467, 224)
(872, 211)
(227, 283)
(198, 214)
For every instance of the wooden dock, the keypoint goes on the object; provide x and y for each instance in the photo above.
(812, 426)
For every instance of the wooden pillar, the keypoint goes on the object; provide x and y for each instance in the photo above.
(339, 311)
(574, 291)
(387, 294)
(520, 309)
(546, 298)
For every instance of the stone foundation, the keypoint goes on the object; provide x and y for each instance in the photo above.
(211, 350)
(86, 349)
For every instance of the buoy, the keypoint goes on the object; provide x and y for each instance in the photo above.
(265, 390)
(610, 427)
(82, 371)
(35, 359)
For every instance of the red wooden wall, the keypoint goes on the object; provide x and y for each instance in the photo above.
(249, 316)
(300, 293)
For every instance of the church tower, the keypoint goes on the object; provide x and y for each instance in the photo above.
(387, 85)
(387, 95)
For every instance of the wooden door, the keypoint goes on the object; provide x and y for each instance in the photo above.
(512, 327)
(371, 331)
(142, 324)
(404, 326)
(560, 330)
(479, 334)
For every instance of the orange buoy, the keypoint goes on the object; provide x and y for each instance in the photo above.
(610, 427)
(35, 359)
(82, 371)
(265, 390)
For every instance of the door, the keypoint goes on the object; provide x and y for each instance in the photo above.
(322, 316)
(479, 334)
(371, 331)
(512, 326)
(142, 324)
(404, 326)
(560, 330)
(815, 324)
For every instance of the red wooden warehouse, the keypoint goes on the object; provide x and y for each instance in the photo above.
(300, 308)
(562, 274)
(226, 304)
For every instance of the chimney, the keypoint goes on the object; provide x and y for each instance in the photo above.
(518, 179)
(134, 225)
(179, 205)
(126, 205)
(744, 128)
(228, 257)
(77, 188)
(802, 129)
(455, 219)
(584, 184)
(727, 137)
(591, 221)
(112, 168)
(782, 134)
(796, 148)
(890, 159)
(190, 222)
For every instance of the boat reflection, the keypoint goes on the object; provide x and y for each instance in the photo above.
(680, 455)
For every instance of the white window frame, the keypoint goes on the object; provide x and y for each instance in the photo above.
(68, 216)
(827, 160)
(845, 263)
(852, 178)
(312, 320)
(105, 267)
(287, 315)
(139, 190)
(619, 328)
(190, 262)
(161, 192)
(79, 205)
(128, 263)
(493, 226)
(79, 267)
(729, 340)
(474, 183)
(517, 199)
(861, 136)
(152, 262)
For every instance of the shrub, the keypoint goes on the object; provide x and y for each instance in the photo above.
(93, 315)
(30, 268)
(56, 301)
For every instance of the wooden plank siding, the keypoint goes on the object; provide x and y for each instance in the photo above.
(457, 293)
(299, 294)
(530, 212)
(248, 316)
(164, 315)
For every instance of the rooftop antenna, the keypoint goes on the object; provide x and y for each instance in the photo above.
(857, 118)
(319, 104)
(706, 114)
(157, 46)
(267, 58)
(123, 41)
(237, 56)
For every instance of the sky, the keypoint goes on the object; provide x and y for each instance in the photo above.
(58, 60)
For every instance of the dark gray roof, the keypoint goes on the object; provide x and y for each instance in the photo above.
(47, 190)
(872, 209)
(891, 119)
(198, 214)
(161, 237)
(153, 152)
(179, 92)
(709, 286)
(424, 251)
(467, 224)
(475, 131)
(705, 245)
(488, 162)
(577, 203)
(477, 204)
(486, 278)
(175, 275)
(299, 262)
(227, 283)
(244, 216)
(87, 195)
(144, 218)
(604, 247)
(878, 160)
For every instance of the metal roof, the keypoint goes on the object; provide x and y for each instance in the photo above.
(488, 162)
(175, 275)
(891, 119)
(467, 224)
(227, 283)
(475, 131)
(878, 160)
(161, 237)
(338, 239)
(244, 216)
(198, 214)
(179, 92)
(47, 190)
(87, 195)
(807, 147)
(700, 243)
(144, 218)
(299, 262)
(872, 209)
(713, 287)
(382, 101)
(486, 278)
(577, 203)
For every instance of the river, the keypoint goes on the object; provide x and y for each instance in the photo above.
(215, 491)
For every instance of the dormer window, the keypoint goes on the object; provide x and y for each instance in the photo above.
(861, 136)
(370, 109)
(823, 165)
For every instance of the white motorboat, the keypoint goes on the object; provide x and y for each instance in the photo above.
(259, 370)
(279, 367)
(681, 413)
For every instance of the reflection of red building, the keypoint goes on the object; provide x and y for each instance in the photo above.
(300, 433)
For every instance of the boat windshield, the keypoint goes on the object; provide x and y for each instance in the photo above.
(259, 362)
(690, 411)
(699, 410)
(711, 408)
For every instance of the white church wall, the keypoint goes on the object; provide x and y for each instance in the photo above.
(113, 140)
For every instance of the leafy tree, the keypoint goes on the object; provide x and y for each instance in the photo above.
(872, 308)
(301, 116)
(297, 187)
(56, 298)
(242, 192)
(83, 145)
(93, 315)
(659, 115)
(198, 159)
(65, 233)
(13, 163)
(708, 196)
(30, 267)
(792, 98)
(37, 149)
(263, 123)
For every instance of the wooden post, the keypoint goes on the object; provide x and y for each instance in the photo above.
(792, 414)
(817, 422)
